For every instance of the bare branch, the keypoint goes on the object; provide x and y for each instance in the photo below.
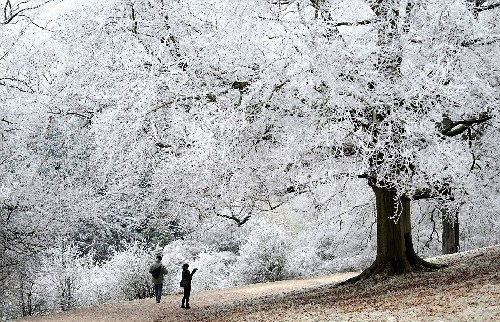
(239, 221)
(488, 7)
(458, 127)
(6, 121)
(88, 118)
(210, 97)
(480, 41)
(10, 14)
(37, 25)
(352, 23)
(18, 84)
(81, 115)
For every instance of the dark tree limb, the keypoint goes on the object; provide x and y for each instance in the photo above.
(81, 115)
(479, 41)
(488, 7)
(430, 194)
(6, 121)
(239, 221)
(78, 114)
(352, 23)
(37, 25)
(10, 13)
(18, 84)
(453, 128)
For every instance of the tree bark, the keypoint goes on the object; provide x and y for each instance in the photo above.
(395, 252)
(392, 231)
(450, 233)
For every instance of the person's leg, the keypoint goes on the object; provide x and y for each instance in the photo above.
(184, 298)
(156, 292)
(187, 294)
(160, 291)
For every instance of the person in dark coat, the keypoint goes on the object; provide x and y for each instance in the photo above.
(186, 284)
(158, 281)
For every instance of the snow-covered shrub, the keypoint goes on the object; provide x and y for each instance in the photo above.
(214, 267)
(99, 289)
(303, 261)
(326, 249)
(44, 283)
(263, 256)
(327, 246)
(214, 270)
(220, 235)
(130, 271)
(175, 255)
(61, 275)
(124, 277)
(19, 290)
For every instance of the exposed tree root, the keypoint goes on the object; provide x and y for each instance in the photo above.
(386, 267)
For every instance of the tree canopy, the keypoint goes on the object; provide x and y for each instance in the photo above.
(128, 120)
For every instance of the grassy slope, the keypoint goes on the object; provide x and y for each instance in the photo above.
(467, 290)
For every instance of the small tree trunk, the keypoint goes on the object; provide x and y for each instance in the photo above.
(450, 232)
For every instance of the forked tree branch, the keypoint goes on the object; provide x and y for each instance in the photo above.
(239, 221)
(458, 127)
(9, 13)
(488, 7)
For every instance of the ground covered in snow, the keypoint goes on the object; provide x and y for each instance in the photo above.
(466, 290)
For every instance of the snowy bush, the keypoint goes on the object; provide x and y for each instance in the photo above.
(49, 281)
(129, 272)
(214, 270)
(304, 262)
(18, 288)
(264, 254)
(220, 235)
(327, 246)
(124, 277)
(175, 255)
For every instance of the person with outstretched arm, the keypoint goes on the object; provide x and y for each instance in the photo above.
(186, 284)
(158, 272)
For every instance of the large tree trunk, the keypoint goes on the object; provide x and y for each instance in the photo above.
(450, 233)
(395, 253)
(394, 243)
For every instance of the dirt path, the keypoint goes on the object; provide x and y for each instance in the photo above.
(169, 310)
(468, 289)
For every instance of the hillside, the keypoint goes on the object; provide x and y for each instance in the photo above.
(467, 290)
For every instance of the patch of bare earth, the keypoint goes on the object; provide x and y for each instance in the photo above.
(467, 290)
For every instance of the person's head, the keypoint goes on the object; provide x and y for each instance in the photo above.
(159, 257)
(185, 266)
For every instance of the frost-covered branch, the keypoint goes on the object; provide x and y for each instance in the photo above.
(7, 121)
(487, 7)
(18, 84)
(11, 12)
(453, 128)
(210, 97)
(88, 117)
(480, 41)
(239, 221)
